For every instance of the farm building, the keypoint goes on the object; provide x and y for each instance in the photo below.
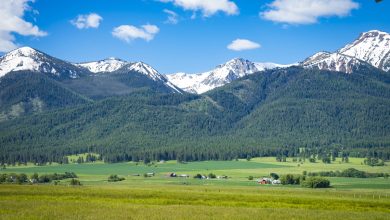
(184, 175)
(150, 174)
(265, 181)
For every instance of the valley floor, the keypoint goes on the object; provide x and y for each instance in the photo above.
(161, 197)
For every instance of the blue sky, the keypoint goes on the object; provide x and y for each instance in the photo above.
(197, 38)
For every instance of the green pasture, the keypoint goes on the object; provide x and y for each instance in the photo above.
(162, 197)
(95, 174)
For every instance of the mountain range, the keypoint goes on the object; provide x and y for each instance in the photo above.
(221, 75)
(372, 47)
(123, 110)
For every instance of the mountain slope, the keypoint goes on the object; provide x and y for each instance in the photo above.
(316, 108)
(333, 62)
(31, 78)
(255, 115)
(221, 75)
(26, 92)
(116, 66)
(118, 83)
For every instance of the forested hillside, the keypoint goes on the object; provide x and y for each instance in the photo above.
(269, 113)
(25, 92)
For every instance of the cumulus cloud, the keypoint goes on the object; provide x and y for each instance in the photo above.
(243, 44)
(87, 21)
(12, 22)
(307, 11)
(207, 7)
(129, 32)
(173, 17)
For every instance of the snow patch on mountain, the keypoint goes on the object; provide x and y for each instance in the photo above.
(107, 65)
(333, 62)
(114, 66)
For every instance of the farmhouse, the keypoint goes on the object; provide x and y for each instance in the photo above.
(265, 181)
(150, 174)
(184, 175)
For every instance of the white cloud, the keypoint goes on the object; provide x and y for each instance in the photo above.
(87, 21)
(129, 32)
(173, 17)
(207, 7)
(307, 11)
(243, 44)
(12, 22)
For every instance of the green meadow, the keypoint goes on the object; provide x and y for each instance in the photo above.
(162, 197)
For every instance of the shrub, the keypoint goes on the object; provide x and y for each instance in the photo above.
(115, 178)
(374, 162)
(75, 182)
(198, 176)
(352, 172)
(290, 179)
(250, 178)
(326, 160)
(316, 182)
(21, 178)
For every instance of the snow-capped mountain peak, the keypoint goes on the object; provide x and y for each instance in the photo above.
(372, 47)
(146, 70)
(24, 58)
(29, 59)
(221, 75)
(23, 51)
(107, 65)
(234, 69)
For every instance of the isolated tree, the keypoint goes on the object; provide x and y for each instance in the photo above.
(212, 176)
(274, 176)
(198, 176)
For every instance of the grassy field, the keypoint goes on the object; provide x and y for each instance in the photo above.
(187, 202)
(161, 197)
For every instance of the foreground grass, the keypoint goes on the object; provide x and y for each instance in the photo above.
(186, 202)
